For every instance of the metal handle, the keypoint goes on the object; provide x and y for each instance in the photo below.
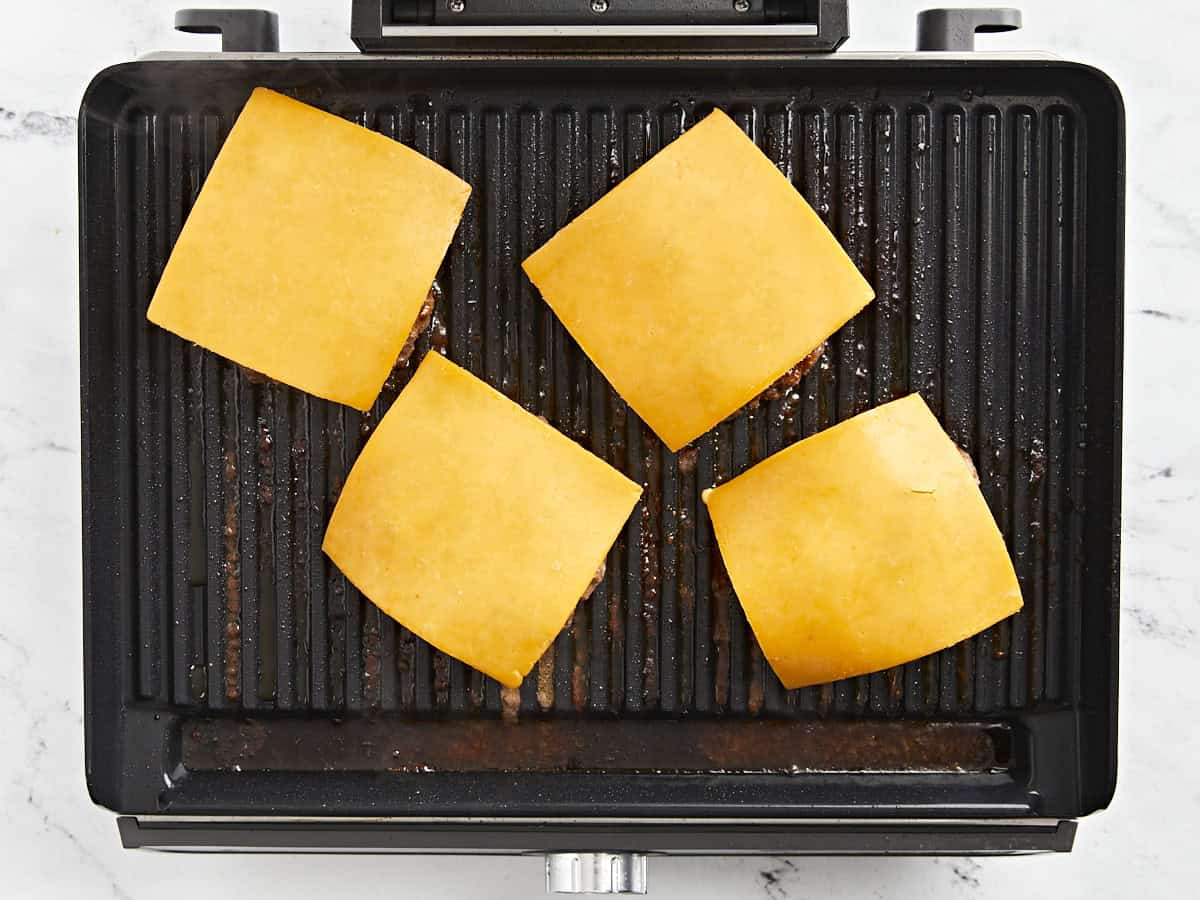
(595, 873)
(955, 29)
(241, 30)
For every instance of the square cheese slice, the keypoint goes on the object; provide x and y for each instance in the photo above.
(310, 249)
(698, 280)
(473, 523)
(863, 547)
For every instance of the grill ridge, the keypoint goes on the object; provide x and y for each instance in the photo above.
(962, 215)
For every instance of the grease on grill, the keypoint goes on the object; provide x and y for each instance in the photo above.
(233, 583)
(266, 463)
(372, 666)
(1037, 461)
(649, 569)
(583, 745)
(366, 423)
(439, 338)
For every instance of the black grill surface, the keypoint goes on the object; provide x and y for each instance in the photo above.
(232, 668)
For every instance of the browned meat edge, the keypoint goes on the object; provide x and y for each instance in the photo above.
(788, 380)
(970, 462)
(595, 582)
(424, 317)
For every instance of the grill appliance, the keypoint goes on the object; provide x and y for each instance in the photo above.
(240, 693)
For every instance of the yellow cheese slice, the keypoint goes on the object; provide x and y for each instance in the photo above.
(698, 281)
(473, 523)
(310, 249)
(863, 547)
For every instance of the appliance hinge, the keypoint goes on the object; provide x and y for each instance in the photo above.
(598, 26)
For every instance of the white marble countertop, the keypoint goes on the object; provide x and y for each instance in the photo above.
(54, 843)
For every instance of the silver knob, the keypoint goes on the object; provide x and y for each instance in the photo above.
(595, 873)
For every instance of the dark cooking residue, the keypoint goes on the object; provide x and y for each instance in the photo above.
(789, 379)
(687, 460)
(696, 747)
(424, 317)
